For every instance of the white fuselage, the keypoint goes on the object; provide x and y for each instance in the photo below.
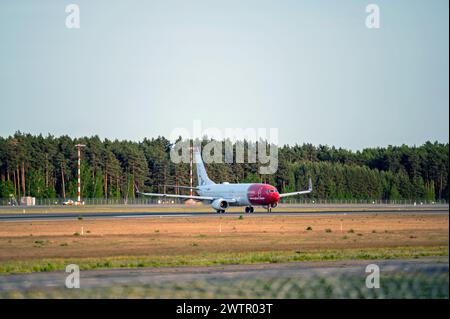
(246, 194)
(237, 192)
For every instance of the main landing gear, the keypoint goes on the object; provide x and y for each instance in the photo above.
(249, 209)
(220, 211)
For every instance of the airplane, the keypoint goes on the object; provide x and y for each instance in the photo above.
(224, 195)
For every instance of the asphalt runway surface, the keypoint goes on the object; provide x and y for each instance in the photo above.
(105, 215)
(167, 276)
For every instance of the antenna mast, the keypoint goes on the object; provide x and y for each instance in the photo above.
(79, 146)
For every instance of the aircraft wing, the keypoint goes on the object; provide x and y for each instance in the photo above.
(178, 196)
(229, 200)
(309, 190)
(183, 187)
(173, 195)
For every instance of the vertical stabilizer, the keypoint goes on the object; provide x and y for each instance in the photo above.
(202, 176)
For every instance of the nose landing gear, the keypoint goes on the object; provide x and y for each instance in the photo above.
(249, 209)
(269, 208)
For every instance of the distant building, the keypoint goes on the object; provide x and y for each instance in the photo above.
(28, 201)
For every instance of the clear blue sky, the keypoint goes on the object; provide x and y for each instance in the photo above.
(312, 69)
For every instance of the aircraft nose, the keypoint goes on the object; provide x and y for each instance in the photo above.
(275, 197)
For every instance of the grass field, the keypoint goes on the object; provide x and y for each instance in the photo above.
(174, 241)
(211, 259)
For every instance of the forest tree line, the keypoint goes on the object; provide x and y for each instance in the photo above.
(46, 167)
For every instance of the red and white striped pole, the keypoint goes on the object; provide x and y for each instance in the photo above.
(190, 171)
(79, 146)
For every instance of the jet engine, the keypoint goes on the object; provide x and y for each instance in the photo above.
(220, 204)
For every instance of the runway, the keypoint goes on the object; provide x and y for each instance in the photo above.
(105, 215)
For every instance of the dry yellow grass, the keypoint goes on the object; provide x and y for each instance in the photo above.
(177, 236)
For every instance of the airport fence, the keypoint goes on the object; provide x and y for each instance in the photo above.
(159, 201)
(432, 283)
(93, 201)
(408, 202)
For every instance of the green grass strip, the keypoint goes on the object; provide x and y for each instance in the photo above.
(211, 259)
